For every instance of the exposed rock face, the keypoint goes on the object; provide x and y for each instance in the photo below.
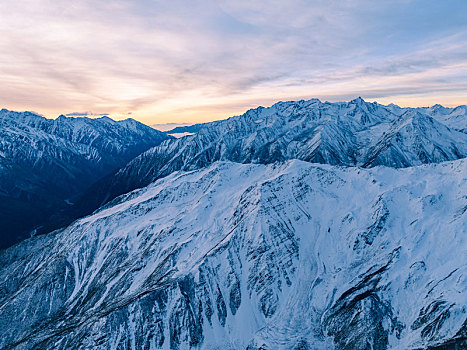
(283, 256)
(44, 163)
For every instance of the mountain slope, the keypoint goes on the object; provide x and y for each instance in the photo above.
(455, 118)
(44, 163)
(415, 139)
(281, 256)
(354, 133)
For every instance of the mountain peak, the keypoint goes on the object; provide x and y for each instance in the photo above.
(358, 100)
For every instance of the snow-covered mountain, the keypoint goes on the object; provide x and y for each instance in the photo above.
(305, 225)
(290, 255)
(454, 118)
(355, 133)
(45, 162)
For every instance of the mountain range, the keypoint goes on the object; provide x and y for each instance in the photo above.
(304, 225)
(46, 163)
(355, 133)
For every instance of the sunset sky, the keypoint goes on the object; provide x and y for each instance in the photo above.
(194, 61)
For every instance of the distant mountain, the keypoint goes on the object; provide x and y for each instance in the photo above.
(355, 133)
(186, 129)
(178, 130)
(289, 255)
(167, 127)
(46, 163)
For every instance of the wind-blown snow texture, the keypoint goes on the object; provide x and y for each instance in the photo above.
(282, 256)
(355, 133)
(45, 162)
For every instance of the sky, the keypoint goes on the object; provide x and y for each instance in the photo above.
(184, 61)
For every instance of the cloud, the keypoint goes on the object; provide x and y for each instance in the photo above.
(77, 114)
(86, 114)
(196, 61)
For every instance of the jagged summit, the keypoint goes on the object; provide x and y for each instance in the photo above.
(355, 133)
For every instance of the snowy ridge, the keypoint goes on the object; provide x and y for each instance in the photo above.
(355, 133)
(102, 135)
(300, 256)
(45, 162)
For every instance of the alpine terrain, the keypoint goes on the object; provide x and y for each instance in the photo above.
(305, 225)
(355, 133)
(45, 163)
